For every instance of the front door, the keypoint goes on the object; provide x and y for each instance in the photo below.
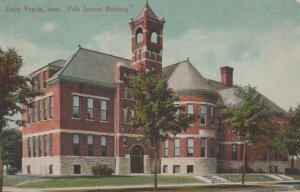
(137, 160)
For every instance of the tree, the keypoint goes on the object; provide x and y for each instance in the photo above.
(12, 147)
(288, 140)
(245, 120)
(265, 144)
(15, 90)
(155, 111)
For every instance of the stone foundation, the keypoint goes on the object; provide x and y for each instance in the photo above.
(231, 166)
(201, 166)
(41, 165)
(68, 162)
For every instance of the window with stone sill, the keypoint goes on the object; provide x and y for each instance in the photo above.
(203, 110)
(90, 142)
(176, 168)
(124, 141)
(176, 147)
(45, 108)
(166, 148)
(45, 144)
(103, 113)
(90, 108)
(103, 146)
(203, 147)
(33, 146)
(190, 147)
(76, 145)
(165, 168)
(76, 107)
(28, 147)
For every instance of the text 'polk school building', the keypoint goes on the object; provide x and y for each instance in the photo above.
(83, 119)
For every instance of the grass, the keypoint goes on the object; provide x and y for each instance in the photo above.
(10, 181)
(107, 181)
(248, 178)
(296, 177)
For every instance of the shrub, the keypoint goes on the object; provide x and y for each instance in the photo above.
(102, 170)
(291, 170)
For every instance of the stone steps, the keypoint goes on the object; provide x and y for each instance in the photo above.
(212, 179)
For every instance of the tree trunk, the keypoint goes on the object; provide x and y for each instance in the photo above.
(156, 157)
(268, 163)
(244, 164)
(1, 165)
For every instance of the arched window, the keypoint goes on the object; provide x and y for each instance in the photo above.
(139, 35)
(154, 37)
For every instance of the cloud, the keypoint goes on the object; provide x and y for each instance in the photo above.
(269, 60)
(48, 27)
(111, 42)
(34, 56)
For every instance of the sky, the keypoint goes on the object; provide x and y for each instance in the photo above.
(260, 39)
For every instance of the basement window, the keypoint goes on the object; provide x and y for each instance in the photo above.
(77, 169)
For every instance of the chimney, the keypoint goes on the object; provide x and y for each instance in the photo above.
(227, 76)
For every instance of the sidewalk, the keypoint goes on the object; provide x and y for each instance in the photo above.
(13, 189)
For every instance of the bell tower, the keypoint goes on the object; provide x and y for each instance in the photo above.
(147, 40)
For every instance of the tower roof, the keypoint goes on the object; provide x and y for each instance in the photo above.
(149, 12)
(184, 76)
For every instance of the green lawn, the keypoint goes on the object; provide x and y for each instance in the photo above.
(10, 181)
(248, 178)
(296, 177)
(107, 181)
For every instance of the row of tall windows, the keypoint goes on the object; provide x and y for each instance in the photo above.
(202, 113)
(189, 145)
(42, 109)
(90, 145)
(90, 108)
(35, 145)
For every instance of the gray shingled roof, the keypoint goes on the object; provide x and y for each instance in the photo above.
(184, 76)
(150, 13)
(229, 99)
(91, 66)
(57, 63)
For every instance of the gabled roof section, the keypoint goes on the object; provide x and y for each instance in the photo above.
(58, 63)
(91, 66)
(229, 99)
(184, 76)
(150, 13)
(217, 84)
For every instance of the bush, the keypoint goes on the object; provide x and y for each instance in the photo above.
(102, 170)
(291, 170)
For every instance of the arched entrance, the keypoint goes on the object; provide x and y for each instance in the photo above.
(137, 160)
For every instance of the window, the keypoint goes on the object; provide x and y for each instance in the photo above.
(45, 144)
(139, 35)
(189, 169)
(212, 115)
(28, 147)
(44, 79)
(39, 110)
(76, 142)
(103, 146)
(28, 169)
(203, 147)
(39, 146)
(125, 115)
(176, 147)
(124, 141)
(50, 113)
(153, 57)
(234, 151)
(202, 114)
(135, 56)
(125, 92)
(166, 148)
(165, 168)
(28, 115)
(176, 168)
(190, 147)
(103, 110)
(90, 109)
(44, 108)
(76, 107)
(32, 114)
(33, 146)
(51, 169)
(38, 82)
(140, 55)
(90, 142)
(77, 169)
(154, 37)
(190, 109)
(50, 143)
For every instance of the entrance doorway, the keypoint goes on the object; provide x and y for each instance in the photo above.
(137, 160)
